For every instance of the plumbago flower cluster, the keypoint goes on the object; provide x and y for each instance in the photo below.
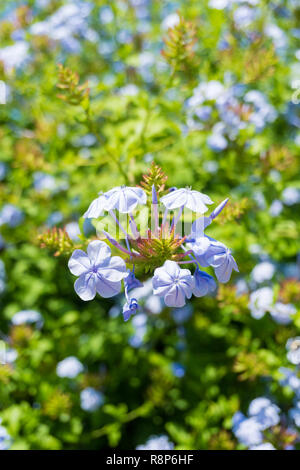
(160, 251)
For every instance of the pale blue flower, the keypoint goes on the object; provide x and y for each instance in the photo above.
(293, 348)
(157, 443)
(69, 367)
(10, 355)
(27, 316)
(223, 265)
(139, 323)
(44, 182)
(3, 170)
(14, 56)
(219, 4)
(263, 272)
(290, 379)
(291, 196)
(2, 277)
(124, 198)
(217, 142)
(170, 21)
(276, 208)
(54, 219)
(96, 208)
(205, 248)
(247, 430)
(65, 23)
(73, 230)
(131, 282)
(204, 283)
(11, 216)
(154, 304)
(185, 197)
(261, 301)
(5, 438)
(178, 370)
(263, 446)
(277, 35)
(97, 271)
(265, 412)
(173, 283)
(130, 308)
(282, 313)
(91, 399)
(181, 315)
(244, 16)
(106, 15)
(295, 414)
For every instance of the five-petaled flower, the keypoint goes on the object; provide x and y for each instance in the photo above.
(97, 271)
(173, 283)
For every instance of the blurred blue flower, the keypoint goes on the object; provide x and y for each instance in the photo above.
(91, 399)
(139, 323)
(261, 301)
(157, 443)
(54, 219)
(276, 208)
(282, 313)
(290, 379)
(173, 283)
(263, 446)
(27, 316)
(2, 277)
(73, 230)
(181, 315)
(97, 271)
(5, 438)
(293, 348)
(244, 16)
(247, 430)
(69, 367)
(14, 56)
(11, 216)
(265, 412)
(291, 196)
(3, 170)
(263, 272)
(178, 370)
(295, 414)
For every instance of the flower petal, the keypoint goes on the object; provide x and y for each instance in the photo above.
(172, 268)
(96, 208)
(175, 297)
(115, 270)
(79, 263)
(106, 288)
(175, 199)
(85, 286)
(99, 252)
(125, 198)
